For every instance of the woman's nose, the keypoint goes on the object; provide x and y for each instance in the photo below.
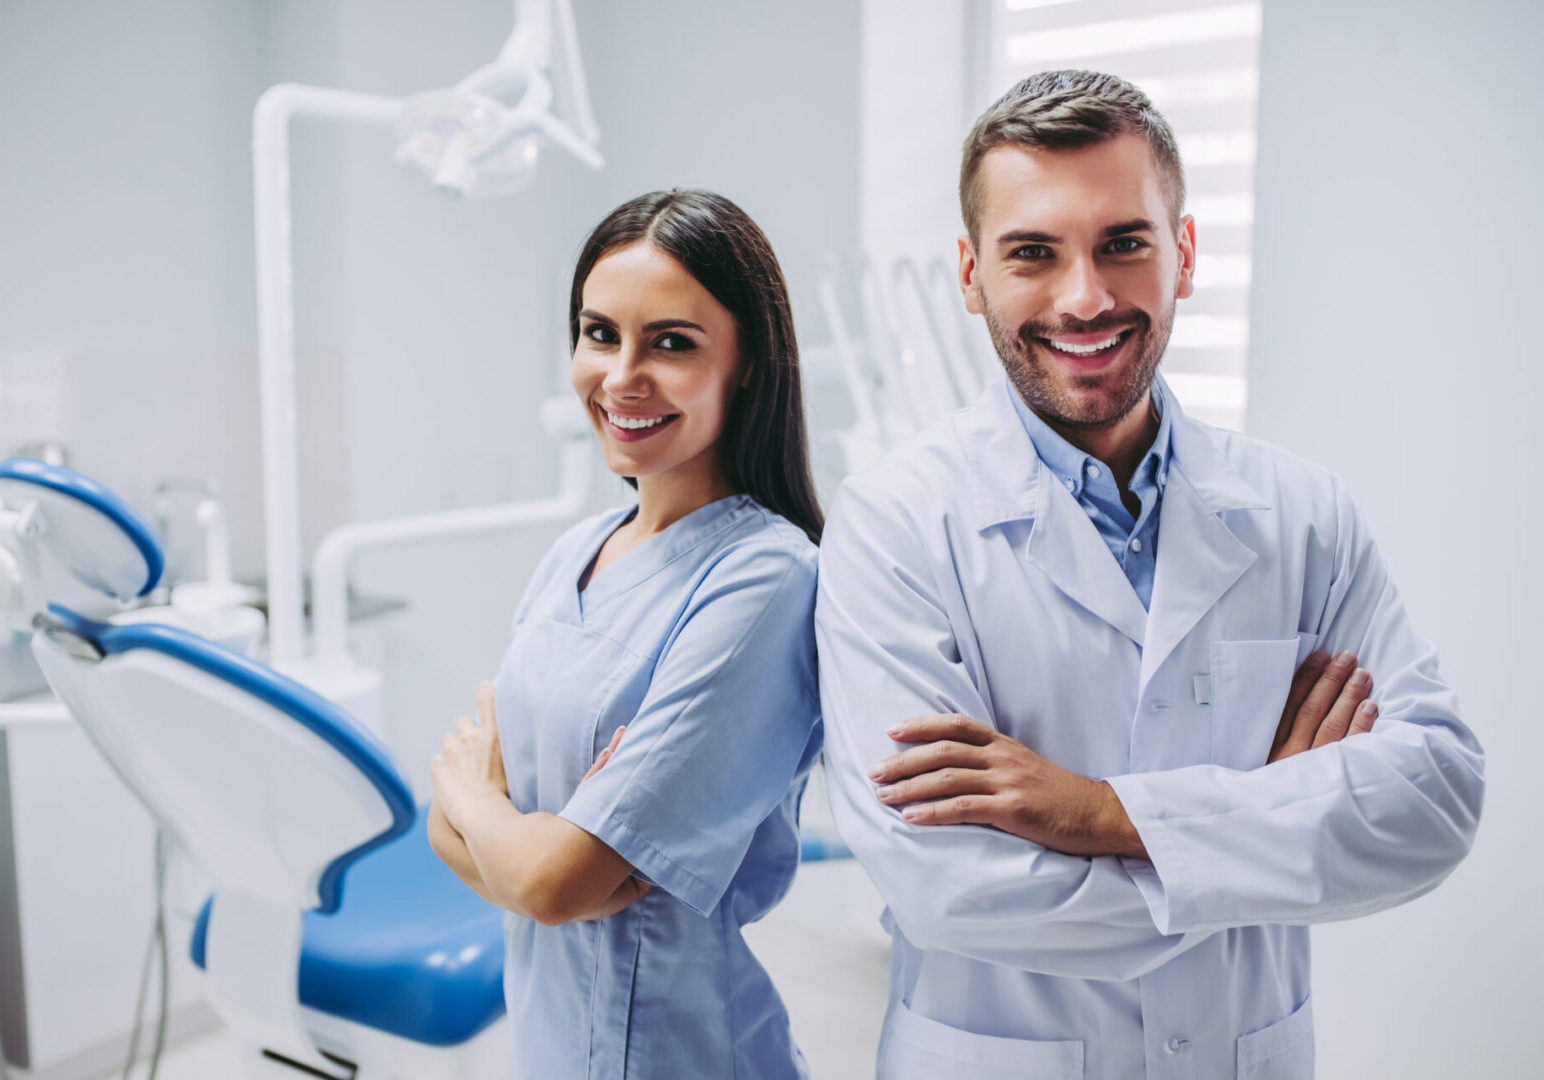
(627, 376)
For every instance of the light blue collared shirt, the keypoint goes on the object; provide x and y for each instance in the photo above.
(1132, 540)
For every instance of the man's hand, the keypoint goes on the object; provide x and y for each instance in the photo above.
(969, 774)
(1327, 703)
(966, 773)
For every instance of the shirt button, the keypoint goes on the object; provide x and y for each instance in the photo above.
(1070, 483)
(1177, 1043)
(1093, 470)
(1136, 545)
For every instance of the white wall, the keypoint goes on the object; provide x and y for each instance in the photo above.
(123, 211)
(454, 313)
(426, 331)
(1396, 280)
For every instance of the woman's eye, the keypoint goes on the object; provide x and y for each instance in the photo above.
(675, 343)
(600, 333)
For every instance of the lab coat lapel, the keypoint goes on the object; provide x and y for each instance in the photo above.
(1199, 557)
(1011, 483)
(1067, 546)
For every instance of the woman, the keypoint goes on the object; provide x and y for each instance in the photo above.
(631, 863)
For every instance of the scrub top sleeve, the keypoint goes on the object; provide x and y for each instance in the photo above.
(725, 729)
(1340, 831)
(888, 652)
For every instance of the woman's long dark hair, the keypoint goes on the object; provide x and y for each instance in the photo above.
(763, 448)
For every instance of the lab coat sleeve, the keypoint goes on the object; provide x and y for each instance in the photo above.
(888, 652)
(1332, 833)
(729, 724)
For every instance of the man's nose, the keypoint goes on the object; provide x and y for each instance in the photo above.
(1081, 291)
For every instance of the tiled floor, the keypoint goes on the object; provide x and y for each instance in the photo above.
(821, 947)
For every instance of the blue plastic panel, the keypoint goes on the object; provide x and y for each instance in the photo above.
(412, 951)
(121, 521)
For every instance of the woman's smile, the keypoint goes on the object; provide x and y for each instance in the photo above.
(635, 427)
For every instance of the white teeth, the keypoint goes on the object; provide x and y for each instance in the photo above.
(634, 425)
(1084, 350)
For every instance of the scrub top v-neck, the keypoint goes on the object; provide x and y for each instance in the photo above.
(701, 641)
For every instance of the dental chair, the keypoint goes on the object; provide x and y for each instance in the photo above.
(334, 943)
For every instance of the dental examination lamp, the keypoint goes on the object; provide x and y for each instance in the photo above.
(481, 137)
(335, 943)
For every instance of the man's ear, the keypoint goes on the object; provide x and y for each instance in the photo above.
(970, 288)
(1184, 281)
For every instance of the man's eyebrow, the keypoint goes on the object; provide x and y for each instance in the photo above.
(1134, 225)
(1022, 236)
(1026, 236)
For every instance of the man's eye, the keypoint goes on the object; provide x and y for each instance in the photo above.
(675, 343)
(1125, 245)
(600, 333)
(1031, 251)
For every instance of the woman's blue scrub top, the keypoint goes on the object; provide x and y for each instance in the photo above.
(701, 641)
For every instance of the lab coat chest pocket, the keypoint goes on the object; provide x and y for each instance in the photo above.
(1248, 685)
(917, 1048)
(1282, 1051)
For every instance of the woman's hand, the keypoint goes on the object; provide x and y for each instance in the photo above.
(605, 755)
(470, 764)
(632, 889)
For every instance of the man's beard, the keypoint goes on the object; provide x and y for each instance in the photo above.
(1021, 359)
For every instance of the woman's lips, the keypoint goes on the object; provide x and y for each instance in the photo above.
(632, 434)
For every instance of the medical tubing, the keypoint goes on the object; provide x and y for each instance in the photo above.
(155, 952)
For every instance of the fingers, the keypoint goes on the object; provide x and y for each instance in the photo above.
(485, 705)
(1303, 681)
(1366, 716)
(942, 726)
(960, 810)
(606, 754)
(942, 784)
(464, 726)
(1316, 705)
(929, 758)
(1345, 709)
(616, 740)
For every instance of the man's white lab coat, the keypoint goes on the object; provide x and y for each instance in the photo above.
(957, 575)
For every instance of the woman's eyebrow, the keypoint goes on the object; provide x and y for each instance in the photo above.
(669, 324)
(649, 327)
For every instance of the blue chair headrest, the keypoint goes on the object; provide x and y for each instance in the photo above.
(92, 533)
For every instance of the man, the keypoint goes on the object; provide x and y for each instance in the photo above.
(1058, 634)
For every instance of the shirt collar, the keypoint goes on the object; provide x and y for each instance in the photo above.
(1007, 474)
(1070, 466)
